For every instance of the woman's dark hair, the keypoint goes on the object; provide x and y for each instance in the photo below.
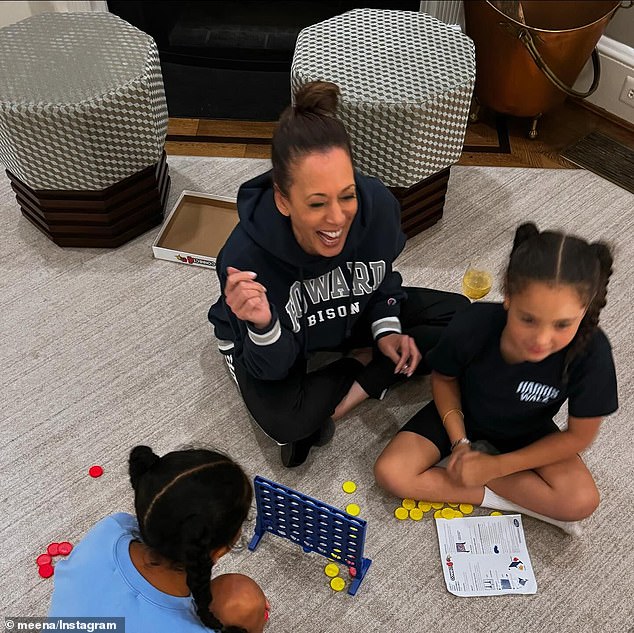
(308, 126)
(188, 503)
(555, 258)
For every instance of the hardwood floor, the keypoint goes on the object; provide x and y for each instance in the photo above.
(493, 141)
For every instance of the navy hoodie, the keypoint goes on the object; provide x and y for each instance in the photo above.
(314, 300)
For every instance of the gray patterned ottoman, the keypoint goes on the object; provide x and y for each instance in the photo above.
(406, 82)
(83, 120)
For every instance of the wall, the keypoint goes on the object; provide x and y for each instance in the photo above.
(616, 52)
(621, 28)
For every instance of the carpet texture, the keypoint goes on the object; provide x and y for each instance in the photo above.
(105, 349)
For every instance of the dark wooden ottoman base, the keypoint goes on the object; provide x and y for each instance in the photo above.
(422, 204)
(98, 219)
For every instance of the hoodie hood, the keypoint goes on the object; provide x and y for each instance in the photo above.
(272, 231)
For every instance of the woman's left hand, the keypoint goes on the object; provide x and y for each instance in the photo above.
(402, 350)
(472, 468)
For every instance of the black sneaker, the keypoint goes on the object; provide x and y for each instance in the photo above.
(295, 453)
(326, 433)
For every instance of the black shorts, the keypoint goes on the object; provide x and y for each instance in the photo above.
(427, 422)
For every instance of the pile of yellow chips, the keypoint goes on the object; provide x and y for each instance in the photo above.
(332, 571)
(415, 510)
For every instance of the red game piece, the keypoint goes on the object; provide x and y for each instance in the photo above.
(64, 548)
(95, 471)
(43, 559)
(53, 549)
(352, 571)
(46, 571)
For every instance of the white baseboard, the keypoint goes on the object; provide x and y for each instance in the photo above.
(617, 63)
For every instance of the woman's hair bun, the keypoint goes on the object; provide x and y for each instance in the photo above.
(142, 458)
(317, 97)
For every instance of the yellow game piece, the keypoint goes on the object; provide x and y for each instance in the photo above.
(457, 514)
(447, 513)
(438, 514)
(466, 508)
(401, 513)
(338, 583)
(453, 505)
(495, 513)
(353, 509)
(437, 505)
(349, 487)
(416, 514)
(425, 506)
(331, 570)
(408, 504)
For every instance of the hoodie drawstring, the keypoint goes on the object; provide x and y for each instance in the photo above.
(349, 315)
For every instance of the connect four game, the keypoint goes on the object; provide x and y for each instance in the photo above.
(313, 525)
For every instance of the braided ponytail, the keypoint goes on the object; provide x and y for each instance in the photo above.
(590, 321)
(198, 564)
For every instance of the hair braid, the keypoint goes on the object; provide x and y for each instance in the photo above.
(197, 561)
(590, 321)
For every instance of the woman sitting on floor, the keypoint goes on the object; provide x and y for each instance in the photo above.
(308, 269)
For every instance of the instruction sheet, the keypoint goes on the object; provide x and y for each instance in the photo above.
(485, 556)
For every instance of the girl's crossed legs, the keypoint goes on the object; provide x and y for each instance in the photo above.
(407, 468)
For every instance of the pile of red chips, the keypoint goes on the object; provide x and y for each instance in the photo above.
(45, 568)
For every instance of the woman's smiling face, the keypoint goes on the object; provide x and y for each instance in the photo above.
(321, 201)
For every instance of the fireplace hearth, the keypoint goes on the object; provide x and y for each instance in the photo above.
(231, 59)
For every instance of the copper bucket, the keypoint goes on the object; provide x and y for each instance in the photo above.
(529, 53)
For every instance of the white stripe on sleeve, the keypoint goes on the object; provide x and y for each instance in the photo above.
(268, 338)
(387, 324)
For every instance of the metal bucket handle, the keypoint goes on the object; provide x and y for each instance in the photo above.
(526, 38)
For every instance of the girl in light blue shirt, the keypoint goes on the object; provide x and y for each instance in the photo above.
(155, 569)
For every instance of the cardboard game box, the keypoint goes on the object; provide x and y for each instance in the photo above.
(196, 229)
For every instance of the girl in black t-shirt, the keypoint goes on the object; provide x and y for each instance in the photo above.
(500, 374)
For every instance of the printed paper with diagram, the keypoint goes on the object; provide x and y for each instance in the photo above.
(485, 556)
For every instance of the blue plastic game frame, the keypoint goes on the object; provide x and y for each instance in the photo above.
(313, 525)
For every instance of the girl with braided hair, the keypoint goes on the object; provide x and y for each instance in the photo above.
(155, 569)
(500, 374)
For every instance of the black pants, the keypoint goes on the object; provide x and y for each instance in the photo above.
(297, 406)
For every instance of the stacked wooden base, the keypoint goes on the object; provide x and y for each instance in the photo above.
(98, 219)
(422, 204)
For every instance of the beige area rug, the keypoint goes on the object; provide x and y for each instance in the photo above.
(105, 349)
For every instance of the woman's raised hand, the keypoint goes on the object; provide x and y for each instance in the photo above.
(247, 298)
